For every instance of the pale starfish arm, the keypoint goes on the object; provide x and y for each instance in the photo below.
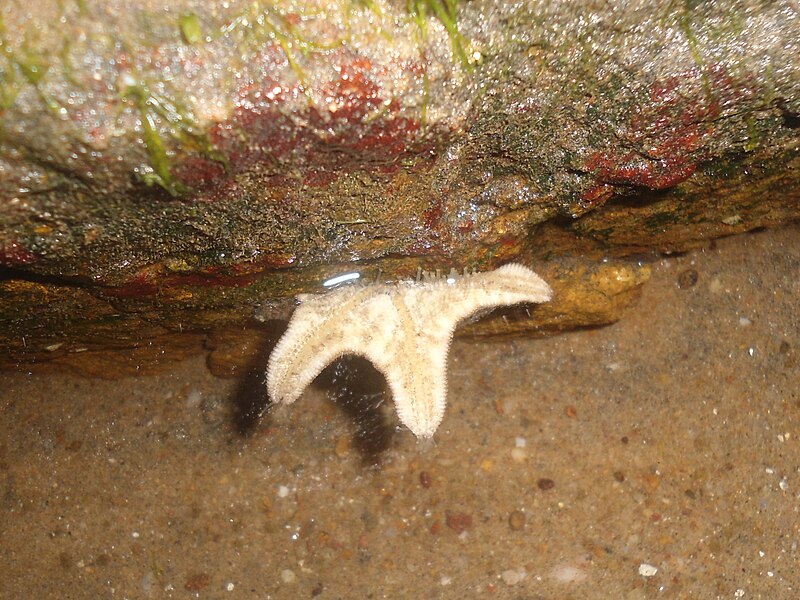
(322, 329)
(415, 367)
(434, 310)
(444, 305)
(419, 388)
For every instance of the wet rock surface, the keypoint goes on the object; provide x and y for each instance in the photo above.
(208, 159)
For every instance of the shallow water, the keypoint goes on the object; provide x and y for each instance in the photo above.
(657, 457)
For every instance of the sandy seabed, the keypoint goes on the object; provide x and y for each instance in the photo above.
(655, 458)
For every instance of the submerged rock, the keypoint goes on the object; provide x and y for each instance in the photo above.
(210, 161)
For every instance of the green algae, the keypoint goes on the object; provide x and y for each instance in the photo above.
(191, 28)
(9, 87)
(753, 135)
(27, 64)
(373, 7)
(446, 11)
(270, 25)
(156, 109)
(685, 24)
(33, 66)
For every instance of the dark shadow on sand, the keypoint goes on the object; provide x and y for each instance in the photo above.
(250, 400)
(359, 389)
(351, 382)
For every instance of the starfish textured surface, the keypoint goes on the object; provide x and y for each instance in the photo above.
(404, 329)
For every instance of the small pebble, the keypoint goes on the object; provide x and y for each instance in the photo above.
(343, 445)
(687, 279)
(565, 573)
(571, 411)
(646, 570)
(213, 412)
(619, 476)
(425, 479)
(288, 576)
(652, 481)
(519, 454)
(193, 398)
(516, 520)
(369, 519)
(545, 484)
(148, 584)
(103, 559)
(197, 582)
(513, 576)
(458, 521)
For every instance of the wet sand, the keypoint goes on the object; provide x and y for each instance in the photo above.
(655, 458)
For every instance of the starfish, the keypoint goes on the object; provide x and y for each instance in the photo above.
(404, 329)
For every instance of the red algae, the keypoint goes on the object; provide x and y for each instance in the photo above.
(666, 138)
(13, 254)
(357, 128)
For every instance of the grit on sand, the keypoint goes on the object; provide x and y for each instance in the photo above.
(655, 458)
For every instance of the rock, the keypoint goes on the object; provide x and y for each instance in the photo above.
(513, 576)
(646, 570)
(178, 187)
(516, 520)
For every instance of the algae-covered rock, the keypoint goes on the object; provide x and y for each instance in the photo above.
(172, 166)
